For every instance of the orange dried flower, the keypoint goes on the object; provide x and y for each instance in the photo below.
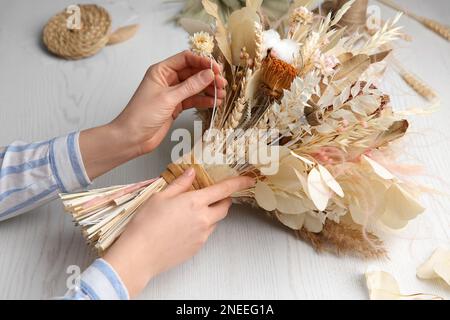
(277, 74)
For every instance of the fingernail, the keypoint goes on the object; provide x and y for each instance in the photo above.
(207, 76)
(189, 172)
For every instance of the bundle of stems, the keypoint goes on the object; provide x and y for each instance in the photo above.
(104, 213)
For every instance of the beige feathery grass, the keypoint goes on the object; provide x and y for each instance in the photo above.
(342, 238)
(338, 238)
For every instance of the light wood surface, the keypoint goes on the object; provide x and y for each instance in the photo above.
(248, 256)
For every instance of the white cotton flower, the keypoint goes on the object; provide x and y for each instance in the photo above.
(270, 39)
(286, 49)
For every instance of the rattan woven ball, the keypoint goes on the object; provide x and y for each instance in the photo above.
(84, 42)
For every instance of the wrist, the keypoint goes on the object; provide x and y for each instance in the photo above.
(132, 136)
(123, 140)
(131, 266)
(104, 148)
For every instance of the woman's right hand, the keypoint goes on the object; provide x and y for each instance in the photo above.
(170, 228)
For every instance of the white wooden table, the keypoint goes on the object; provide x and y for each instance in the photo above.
(248, 256)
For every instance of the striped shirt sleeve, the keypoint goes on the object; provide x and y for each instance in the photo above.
(99, 282)
(32, 174)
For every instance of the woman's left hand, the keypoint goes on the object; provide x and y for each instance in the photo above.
(180, 82)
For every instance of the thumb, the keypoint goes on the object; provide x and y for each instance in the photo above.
(194, 84)
(181, 184)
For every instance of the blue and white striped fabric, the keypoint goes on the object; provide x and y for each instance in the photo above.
(32, 174)
(99, 282)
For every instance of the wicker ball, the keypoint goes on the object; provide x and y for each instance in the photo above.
(82, 43)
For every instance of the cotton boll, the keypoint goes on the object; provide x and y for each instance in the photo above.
(286, 50)
(270, 39)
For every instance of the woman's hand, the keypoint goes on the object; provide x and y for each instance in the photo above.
(180, 82)
(169, 87)
(170, 228)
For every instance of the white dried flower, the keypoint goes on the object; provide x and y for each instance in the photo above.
(202, 43)
(324, 62)
(301, 15)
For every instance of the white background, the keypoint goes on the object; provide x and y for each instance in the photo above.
(249, 256)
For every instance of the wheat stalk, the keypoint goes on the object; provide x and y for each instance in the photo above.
(417, 84)
(433, 25)
(437, 27)
(237, 113)
(258, 46)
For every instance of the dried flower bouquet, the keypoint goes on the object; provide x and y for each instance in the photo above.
(316, 87)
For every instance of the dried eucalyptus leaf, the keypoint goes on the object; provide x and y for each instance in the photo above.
(350, 71)
(401, 207)
(193, 26)
(395, 131)
(318, 190)
(293, 221)
(437, 266)
(352, 66)
(365, 104)
(377, 57)
(241, 26)
(330, 181)
(382, 286)
(254, 4)
(334, 40)
(123, 34)
(377, 168)
(265, 197)
(221, 32)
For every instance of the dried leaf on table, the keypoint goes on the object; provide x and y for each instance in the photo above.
(437, 266)
(383, 286)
